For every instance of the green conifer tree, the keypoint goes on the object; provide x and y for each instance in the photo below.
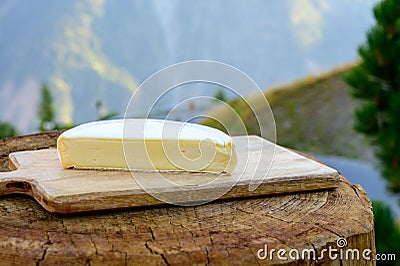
(387, 231)
(376, 81)
(7, 130)
(46, 110)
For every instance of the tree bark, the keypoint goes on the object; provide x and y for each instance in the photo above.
(223, 232)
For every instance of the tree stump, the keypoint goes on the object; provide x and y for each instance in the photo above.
(222, 232)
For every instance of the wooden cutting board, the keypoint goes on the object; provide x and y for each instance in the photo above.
(40, 174)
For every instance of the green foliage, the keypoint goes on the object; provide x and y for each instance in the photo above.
(387, 231)
(103, 113)
(220, 95)
(7, 130)
(47, 112)
(376, 81)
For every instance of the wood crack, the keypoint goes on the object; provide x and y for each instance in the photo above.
(94, 244)
(208, 256)
(152, 233)
(152, 251)
(354, 187)
(45, 247)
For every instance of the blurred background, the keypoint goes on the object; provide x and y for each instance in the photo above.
(98, 50)
(67, 62)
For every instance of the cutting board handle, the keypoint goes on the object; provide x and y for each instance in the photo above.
(11, 183)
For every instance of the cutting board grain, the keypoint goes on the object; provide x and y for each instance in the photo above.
(40, 175)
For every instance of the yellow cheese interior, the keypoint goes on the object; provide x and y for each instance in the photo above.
(146, 154)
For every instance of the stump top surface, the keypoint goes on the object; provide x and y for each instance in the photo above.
(224, 232)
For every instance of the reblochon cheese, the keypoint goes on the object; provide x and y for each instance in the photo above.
(147, 144)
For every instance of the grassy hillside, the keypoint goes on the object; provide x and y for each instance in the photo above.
(314, 115)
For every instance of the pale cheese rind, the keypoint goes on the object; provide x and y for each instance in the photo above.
(148, 144)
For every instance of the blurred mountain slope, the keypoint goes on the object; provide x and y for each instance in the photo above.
(93, 50)
(314, 114)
